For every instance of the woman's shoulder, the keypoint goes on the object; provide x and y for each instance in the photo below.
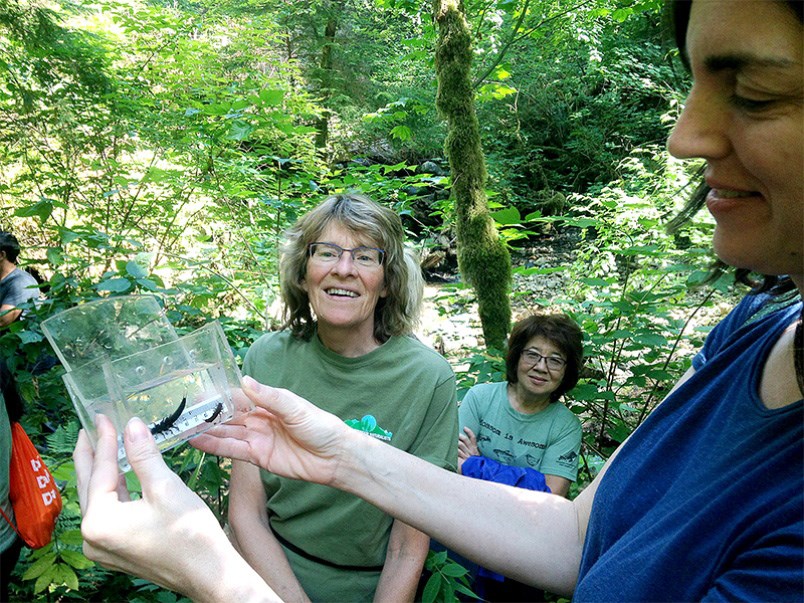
(563, 412)
(757, 315)
(485, 392)
(488, 388)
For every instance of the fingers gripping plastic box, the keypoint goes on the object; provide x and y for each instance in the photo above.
(124, 359)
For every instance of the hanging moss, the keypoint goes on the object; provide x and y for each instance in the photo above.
(483, 259)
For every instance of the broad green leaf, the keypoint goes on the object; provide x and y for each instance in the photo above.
(509, 215)
(240, 130)
(440, 557)
(454, 570)
(147, 283)
(135, 270)
(41, 210)
(45, 580)
(76, 559)
(30, 336)
(116, 285)
(431, 589)
(401, 133)
(55, 256)
(39, 567)
(64, 574)
(272, 98)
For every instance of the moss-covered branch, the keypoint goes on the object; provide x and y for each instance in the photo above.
(482, 256)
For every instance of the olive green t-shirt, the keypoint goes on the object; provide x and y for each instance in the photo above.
(402, 393)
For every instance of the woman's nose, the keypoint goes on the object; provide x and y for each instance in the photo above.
(345, 263)
(702, 129)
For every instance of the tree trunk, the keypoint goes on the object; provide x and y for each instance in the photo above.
(326, 74)
(322, 125)
(483, 258)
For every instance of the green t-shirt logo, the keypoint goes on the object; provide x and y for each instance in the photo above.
(368, 424)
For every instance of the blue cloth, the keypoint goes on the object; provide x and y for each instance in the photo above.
(705, 502)
(489, 470)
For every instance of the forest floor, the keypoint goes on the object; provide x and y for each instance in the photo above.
(450, 321)
(450, 318)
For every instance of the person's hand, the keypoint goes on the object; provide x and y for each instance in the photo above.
(169, 536)
(467, 446)
(285, 434)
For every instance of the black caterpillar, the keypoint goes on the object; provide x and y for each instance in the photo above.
(167, 423)
(215, 413)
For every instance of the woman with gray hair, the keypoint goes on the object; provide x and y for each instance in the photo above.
(352, 294)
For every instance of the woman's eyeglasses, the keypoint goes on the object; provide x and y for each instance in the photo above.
(532, 358)
(329, 253)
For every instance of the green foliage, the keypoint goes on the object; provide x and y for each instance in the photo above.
(447, 578)
(163, 148)
(635, 294)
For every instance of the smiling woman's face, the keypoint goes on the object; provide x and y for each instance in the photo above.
(343, 295)
(745, 117)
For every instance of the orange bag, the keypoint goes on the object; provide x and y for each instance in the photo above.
(34, 496)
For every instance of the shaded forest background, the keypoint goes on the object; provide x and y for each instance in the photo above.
(163, 147)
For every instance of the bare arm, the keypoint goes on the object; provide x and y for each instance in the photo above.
(8, 314)
(407, 550)
(532, 536)
(248, 518)
(557, 484)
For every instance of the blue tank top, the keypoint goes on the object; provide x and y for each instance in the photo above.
(705, 502)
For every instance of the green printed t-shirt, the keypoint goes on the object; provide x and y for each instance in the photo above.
(548, 441)
(402, 393)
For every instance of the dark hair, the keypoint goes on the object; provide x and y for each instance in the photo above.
(562, 332)
(9, 244)
(777, 285)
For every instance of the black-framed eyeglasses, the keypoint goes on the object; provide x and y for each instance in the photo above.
(330, 253)
(532, 358)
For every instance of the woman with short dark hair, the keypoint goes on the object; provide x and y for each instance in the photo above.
(518, 433)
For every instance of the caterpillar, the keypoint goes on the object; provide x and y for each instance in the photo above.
(167, 423)
(215, 413)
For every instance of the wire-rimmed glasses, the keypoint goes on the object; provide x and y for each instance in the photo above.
(330, 253)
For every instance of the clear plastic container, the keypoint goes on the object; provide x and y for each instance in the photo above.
(124, 359)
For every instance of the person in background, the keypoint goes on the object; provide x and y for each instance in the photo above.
(703, 502)
(518, 432)
(352, 295)
(16, 286)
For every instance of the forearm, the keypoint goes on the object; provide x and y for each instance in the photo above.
(8, 314)
(535, 537)
(407, 550)
(248, 519)
(234, 580)
(263, 552)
